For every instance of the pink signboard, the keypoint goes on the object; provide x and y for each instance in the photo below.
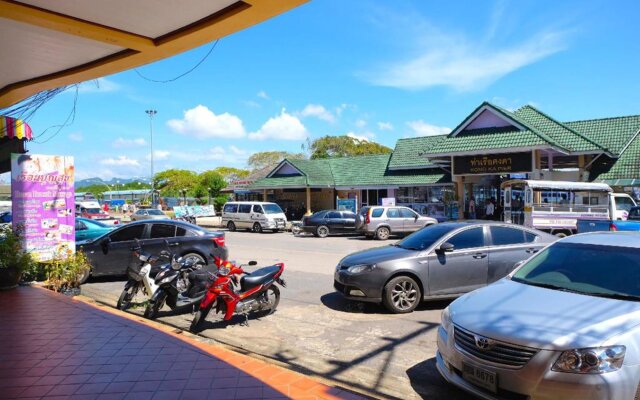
(43, 202)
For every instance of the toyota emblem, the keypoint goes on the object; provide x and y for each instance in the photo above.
(482, 342)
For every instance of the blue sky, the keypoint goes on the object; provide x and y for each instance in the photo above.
(375, 69)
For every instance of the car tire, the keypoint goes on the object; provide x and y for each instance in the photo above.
(257, 228)
(231, 226)
(196, 257)
(322, 231)
(383, 233)
(401, 295)
(85, 276)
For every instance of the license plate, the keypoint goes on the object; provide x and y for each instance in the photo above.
(480, 377)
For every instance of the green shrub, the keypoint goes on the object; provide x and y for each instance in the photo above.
(65, 271)
(11, 253)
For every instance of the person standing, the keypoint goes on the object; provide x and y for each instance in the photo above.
(472, 208)
(489, 210)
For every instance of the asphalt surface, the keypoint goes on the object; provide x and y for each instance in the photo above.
(315, 331)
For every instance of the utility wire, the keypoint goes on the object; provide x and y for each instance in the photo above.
(68, 121)
(183, 74)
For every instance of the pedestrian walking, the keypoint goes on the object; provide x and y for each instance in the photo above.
(472, 208)
(489, 210)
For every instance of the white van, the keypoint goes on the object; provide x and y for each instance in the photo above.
(253, 215)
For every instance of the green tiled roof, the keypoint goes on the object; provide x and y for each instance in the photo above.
(281, 181)
(409, 153)
(487, 139)
(318, 171)
(612, 133)
(625, 167)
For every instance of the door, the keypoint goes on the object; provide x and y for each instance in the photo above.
(257, 215)
(158, 233)
(118, 254)
(509, 246)
(462, 270)
(333, 219)
(81, 230)
(395, 220)
(349, 221)
(244, 216)
(410, 220)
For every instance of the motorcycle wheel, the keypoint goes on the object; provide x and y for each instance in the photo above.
(128, 293)
(151, 311)
(198, 319)
(273, 297)
(295, 229)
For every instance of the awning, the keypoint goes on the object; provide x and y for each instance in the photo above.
(14, 128)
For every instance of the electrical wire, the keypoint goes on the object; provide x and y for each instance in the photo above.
(183, 74)
(69, 121)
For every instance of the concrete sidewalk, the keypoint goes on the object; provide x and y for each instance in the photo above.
(56, 347)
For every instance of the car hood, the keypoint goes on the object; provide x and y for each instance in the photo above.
(543, 318)
(376, 255)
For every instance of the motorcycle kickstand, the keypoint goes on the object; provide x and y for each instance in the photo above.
(246, 320)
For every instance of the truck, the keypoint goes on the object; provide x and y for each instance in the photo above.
(631, 224)
(556, 207)
(92, 210)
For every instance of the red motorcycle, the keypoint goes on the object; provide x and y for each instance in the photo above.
(257, 292)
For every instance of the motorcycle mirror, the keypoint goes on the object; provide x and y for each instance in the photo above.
(252, 263)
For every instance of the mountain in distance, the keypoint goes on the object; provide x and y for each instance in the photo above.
(112, 182)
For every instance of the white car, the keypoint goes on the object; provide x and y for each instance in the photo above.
(565, 325)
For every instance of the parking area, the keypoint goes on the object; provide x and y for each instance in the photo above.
(315, 331)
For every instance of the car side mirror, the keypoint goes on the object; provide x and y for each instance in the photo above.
(252, 263)
(415, 218)
(445, 248)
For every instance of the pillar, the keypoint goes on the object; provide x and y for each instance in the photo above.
(458, 182)
(581, 164)
(308, 201)
(264, 194)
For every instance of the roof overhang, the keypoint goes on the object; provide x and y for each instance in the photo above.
(49, 44)
(488, 108)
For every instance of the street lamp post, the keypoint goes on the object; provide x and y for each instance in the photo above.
(184, 196)
(151, 113)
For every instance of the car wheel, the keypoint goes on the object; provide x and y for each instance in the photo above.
(401, 295)
(197, 258)
(85, 276)
(257, 228)
(322, 231)
(231, 226)
(383, 233)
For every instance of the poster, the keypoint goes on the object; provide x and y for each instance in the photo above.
(347, 205)
(43, 204)
(194, 211)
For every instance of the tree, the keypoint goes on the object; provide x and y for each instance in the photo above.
(172, 181)
(344, 146)
(209, 183)
(265, 159)
(231, 174)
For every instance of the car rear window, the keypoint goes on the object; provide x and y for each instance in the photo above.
(244, 208)
(128, 233)
(162, 231)
(348, 215)
(377, 212)
(468, 239)
(504, 236)
(333, 214)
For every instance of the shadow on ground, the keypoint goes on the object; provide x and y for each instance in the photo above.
(337, 302)
(427, 382)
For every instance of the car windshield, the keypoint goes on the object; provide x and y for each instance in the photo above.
(94, 211)
(596, 270)
(97, 224)
(272, 209)
(155, 212)
(425, 237)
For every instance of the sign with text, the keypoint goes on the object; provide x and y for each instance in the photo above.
(347, 205)
(43, 204)
(194, 211)
(506, 163)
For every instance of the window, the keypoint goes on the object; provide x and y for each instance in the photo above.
(624, 203)
(181, 231)
(230, 208)
(406, 213)
(468, 239)
(272, 209)
(333, 215)
(80, 226)
(393, 213)
(244, 208)
(377, 212)
(162, 231)
(257, 209)
(503, 236)
(155, 212)
(141, 212)
(530, 237)
(128, 233)
(348, 215)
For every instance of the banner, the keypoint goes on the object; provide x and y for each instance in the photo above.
(194, 211)
(43, 204)
(499, 164)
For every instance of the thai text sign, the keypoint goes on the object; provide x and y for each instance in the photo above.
(43, 204)
(493, 163)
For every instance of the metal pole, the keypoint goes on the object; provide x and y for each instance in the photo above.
(151, 113)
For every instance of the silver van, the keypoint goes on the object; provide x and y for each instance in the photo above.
(383, 221)
(254, 216)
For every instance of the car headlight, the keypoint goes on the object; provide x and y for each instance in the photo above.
(596, 360)
(445, 317)
(356, 269)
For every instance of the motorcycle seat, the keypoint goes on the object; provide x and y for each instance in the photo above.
(258, 277)
(199, 275)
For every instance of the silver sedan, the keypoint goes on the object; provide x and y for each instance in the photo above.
(150, 213)
(565, 325)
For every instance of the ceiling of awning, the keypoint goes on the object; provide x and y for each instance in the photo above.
(46, 44)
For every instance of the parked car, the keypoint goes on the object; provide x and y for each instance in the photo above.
(383, 221)
(631, 224)
(93, 210)
(111, 254)
(253, 215)
(565, 325)
(89, 229)
(5, 217)
(329, 222)
(440, 261)
(148, 213)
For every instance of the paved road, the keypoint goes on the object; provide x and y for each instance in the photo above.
(316, 331)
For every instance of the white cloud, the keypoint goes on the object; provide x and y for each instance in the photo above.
(120, 161)
(202, 123)
(237, 151)
(263, 95)
(421, 128)
(122, 142)
(318, 111)
(76, 137)
(100, 85)
(366, 137)
(281, 127)
(344, 107)
(361, 123)
(159, 155)
(385, 126)
(461, 62)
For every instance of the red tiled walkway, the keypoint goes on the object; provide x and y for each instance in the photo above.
(54, 347)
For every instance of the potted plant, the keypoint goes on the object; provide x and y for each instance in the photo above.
(65, 272)
(13, 259)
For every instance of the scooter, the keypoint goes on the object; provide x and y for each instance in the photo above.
(141, 277)
(257, 292)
